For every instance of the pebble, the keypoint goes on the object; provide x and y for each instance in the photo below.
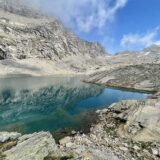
(104, 111)
(125, 144)
(65, 140)
(98, 111)
(136, 147)
(155, 151)
(69, 145)
(73, 132)
(123, 148)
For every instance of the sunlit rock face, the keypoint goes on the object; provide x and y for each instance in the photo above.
(34, 43)
(33, 34)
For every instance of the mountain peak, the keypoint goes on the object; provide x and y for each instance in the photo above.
(153, 49)
(20, 7)
(27, 35)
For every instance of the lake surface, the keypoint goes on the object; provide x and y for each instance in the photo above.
(53, 103)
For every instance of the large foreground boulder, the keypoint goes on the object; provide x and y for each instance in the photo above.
(141, 119)
(37, 146)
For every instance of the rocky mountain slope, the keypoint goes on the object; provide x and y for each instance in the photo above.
(143, 77)
(29, 40)
(133, 70)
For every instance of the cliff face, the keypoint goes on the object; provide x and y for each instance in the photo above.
(26, 33)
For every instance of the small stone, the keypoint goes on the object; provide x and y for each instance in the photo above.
(123, 148)
(73, 132)
(139, 155)
(98, 111)
(112, 105)
(155, 151)
(93, 136)
(145, 150)
(65, 140)
(125, 144)
(114, 115)
(136, 147)
(69, 145)
(106, 139)
(104, 111)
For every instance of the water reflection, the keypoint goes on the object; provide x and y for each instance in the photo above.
(50, 103)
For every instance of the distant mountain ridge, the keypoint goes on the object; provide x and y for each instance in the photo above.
(153, 49)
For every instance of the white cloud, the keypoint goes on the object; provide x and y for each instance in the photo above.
(132, 41)
(84, 15)
(100, 14)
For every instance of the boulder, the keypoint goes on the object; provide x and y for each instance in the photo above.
(35, 146)
(65, 140)
(142, 119)
(5, 136)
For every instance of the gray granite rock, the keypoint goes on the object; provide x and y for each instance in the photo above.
(142, 119)
(36, 146)
(5, 136)
(144, 77)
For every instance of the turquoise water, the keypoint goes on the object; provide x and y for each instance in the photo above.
(52, 103)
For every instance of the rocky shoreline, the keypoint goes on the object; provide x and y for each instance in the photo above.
(142, 77)
(128, 130)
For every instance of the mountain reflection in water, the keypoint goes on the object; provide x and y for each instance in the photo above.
(51, 103)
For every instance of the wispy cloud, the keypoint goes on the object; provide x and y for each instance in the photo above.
(101, 13)
(131, 41)
(84, 15)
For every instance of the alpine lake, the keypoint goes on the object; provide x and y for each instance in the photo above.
(33, 104)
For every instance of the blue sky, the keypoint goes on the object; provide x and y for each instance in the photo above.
(117, 24)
